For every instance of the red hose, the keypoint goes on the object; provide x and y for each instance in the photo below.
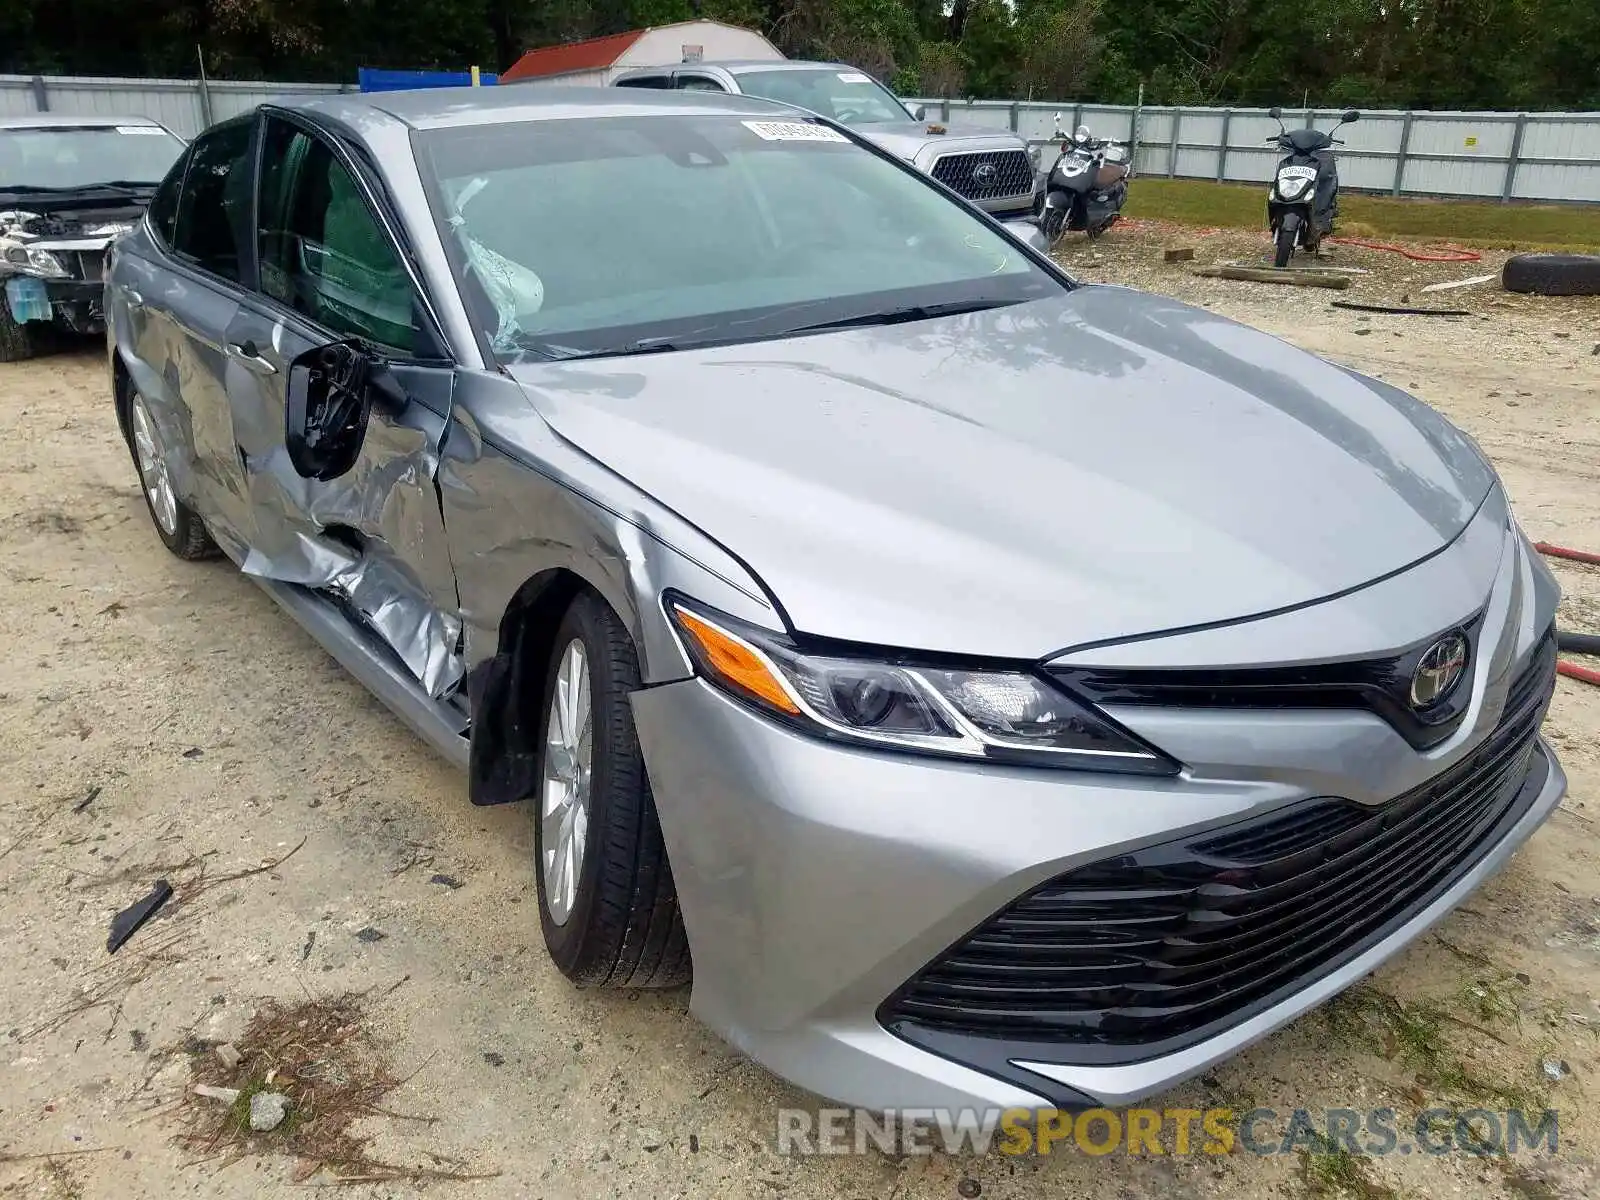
(1448, 254)
(1582, 556)
(1573, 670)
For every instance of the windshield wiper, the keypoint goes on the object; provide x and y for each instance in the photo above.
(900, 316)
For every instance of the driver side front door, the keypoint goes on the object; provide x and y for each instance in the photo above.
(372, 537)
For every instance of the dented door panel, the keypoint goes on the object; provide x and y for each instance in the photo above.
(373, 537)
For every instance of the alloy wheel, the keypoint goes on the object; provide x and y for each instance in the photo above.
(153, 473)
(564, 798)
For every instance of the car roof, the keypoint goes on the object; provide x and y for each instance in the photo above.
(441, 108)
(70, 121)
(740, 66)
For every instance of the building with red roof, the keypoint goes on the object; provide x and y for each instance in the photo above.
(595, 62)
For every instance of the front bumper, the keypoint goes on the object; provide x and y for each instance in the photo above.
(816, 880)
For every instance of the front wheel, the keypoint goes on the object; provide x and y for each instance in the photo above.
(1285, 246)
(607, 904)
(1053, 223)
(16, 339)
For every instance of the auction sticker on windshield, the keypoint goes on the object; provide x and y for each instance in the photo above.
(853, 77)
(793, 131)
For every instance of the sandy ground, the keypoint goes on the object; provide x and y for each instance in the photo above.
(214, 736)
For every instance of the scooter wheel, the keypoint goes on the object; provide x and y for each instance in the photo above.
(1285, 245)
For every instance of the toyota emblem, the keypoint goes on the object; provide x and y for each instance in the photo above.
(1438, 671)
(984, 174)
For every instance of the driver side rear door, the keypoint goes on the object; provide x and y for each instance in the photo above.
(331, 269)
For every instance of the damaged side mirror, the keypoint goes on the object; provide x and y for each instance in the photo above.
(331, 392)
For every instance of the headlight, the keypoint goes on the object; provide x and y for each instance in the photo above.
(1005, 715)
(42, 263)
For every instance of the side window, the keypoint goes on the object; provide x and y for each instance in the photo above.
(323, 252)
(164, 204)
(213, 217)
(699, 83)
(645, 81)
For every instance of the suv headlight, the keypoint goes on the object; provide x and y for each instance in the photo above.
(994, 714)
(42, 263)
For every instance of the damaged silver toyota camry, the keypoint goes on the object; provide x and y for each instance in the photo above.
(1005, 691)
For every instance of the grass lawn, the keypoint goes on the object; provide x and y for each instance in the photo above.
(1468, 222)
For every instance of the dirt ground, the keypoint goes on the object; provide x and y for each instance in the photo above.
(164, 720)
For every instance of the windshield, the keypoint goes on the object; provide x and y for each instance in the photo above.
(58, 157)
(620, 235)
(849, 97)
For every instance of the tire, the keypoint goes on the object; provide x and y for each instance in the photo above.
(618, 923)
(16, 339)
(1552, 274)
(1285, 244)
(1578, 643)
(184, 534)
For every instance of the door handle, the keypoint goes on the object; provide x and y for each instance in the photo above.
(247, 352)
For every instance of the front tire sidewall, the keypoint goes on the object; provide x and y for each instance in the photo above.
(612, 738)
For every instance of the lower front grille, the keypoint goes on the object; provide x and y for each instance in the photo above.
(1176, 941)
(986, 174)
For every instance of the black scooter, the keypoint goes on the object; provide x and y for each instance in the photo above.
(1087, 186)
(1304, 197)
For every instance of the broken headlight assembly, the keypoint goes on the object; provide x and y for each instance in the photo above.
(22, 259)
(18, 257)
(989, 714)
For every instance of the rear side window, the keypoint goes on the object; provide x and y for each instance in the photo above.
(645, 81)
(699, 83)
(213, 219)
(323, 252)
(164, 204)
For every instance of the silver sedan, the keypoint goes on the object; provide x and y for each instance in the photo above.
(1003, 691)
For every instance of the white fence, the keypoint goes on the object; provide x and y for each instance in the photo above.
(1500, 156)
(185, 106)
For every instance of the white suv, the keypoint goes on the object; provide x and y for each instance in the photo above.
(990, 167)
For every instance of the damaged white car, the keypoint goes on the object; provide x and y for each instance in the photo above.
(68, 186)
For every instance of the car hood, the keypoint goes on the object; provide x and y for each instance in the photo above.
(1023, 480)
(905, 138)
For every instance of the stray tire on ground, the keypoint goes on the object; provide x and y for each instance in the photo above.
(1552, 274)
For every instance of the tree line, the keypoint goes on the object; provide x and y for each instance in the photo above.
(1438, 54)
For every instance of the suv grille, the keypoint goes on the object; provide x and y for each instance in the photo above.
(987, 174)
(1173, 941)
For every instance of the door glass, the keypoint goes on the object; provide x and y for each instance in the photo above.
(323, 253)
(699, 83)
(164, 204)
(213, 220)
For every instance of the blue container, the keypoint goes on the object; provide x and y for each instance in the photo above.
(27, 299)
(375, 79)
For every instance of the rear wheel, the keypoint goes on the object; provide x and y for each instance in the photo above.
(180, 529)
(1285, 245)
(607, 904)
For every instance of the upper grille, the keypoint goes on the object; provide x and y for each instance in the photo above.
(1013, 173)
(91, 263)
(1184, 937)
(1379, 685)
